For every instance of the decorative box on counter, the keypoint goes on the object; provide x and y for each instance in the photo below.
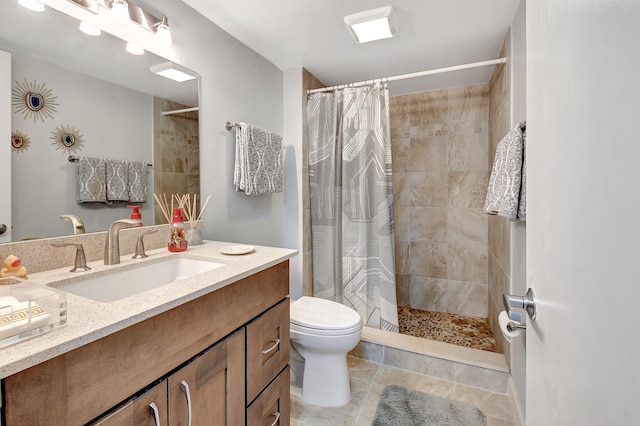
(29, 309)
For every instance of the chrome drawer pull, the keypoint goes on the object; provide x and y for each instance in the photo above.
(275, 345)
(277, 416)
(185, 389)
(154, 411)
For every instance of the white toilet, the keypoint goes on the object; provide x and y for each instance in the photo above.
(322, 332)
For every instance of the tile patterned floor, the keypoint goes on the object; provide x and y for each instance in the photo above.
(368, 379)
(461, 330)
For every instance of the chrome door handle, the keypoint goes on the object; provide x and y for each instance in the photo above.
(3, 228)
(526, 302)
(185, 388)
(153, 408)
(276, 342)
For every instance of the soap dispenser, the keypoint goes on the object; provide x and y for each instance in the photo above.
(135, 214)
(178, 237)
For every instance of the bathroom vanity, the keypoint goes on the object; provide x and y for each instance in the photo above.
(211, 349)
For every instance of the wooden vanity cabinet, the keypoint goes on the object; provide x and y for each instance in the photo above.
(202, 343)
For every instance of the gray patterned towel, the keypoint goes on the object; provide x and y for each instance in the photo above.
(137, 182)
(258, 168)
(117, 180)
(506, 194)
(91, 180)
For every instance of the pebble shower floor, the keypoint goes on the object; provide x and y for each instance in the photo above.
(461, 330)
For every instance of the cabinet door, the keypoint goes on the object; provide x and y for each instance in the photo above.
(210, 389)
(148, 409)
(271, 408)
(267, 348)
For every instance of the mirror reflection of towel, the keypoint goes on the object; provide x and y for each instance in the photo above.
(117, 180)
(137, 187)
(91, 180)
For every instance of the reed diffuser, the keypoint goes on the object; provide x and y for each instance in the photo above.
(189, 206)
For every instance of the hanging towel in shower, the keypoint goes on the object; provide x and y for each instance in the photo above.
(137, 182)
(91, 181)
(117, 180)
(258, 168)
(506, 195)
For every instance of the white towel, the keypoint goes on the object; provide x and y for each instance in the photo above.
(91, 180)
(137, 187)
(258, 168)
(506, 194)
(117, 180)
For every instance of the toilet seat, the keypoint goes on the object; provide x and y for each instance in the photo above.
(323, 317)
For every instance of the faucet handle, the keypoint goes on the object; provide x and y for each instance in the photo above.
(140, 254)
(80, 263)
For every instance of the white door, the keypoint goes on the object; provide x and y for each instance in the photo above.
(583, 226)
(5, 146)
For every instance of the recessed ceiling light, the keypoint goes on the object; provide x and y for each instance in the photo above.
(370, 25)
(173, 71)
(33, 5)
(134, 49)
(90, 29)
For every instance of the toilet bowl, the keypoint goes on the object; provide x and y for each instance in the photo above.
(322, 332)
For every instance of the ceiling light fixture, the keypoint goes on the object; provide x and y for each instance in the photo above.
(370, 25)
(120, 11)
(89, 29)
(173, 71)
(163, 33)
(33, 5)
(134, 49)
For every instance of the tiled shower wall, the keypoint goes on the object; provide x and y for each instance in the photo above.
(176, 152)
(440, 173)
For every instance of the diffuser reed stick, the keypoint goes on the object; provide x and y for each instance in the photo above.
(163, 206)
(190, 207)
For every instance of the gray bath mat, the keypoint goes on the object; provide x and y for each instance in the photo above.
(399, 406)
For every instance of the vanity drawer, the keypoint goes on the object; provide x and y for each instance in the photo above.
(272, 406)
(267, 348)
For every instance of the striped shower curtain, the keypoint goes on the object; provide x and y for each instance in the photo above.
(352, 202)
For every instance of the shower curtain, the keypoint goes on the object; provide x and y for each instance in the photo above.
(352, 202)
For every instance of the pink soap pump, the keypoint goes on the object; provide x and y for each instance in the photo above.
(135, 214)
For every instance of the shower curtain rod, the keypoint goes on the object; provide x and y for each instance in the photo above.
(412, 75)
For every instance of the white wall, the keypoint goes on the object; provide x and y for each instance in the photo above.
(116, 123)
(237, 84)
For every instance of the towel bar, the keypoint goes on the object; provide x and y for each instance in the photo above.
(229, 125)
(74, 159)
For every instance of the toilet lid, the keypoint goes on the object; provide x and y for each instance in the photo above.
(321, 314)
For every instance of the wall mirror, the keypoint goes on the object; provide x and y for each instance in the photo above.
(99, 101)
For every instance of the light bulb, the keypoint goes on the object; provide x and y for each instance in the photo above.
(33, 5)
(89, 29)
(120, 11)
(163, 33)
(134, 49)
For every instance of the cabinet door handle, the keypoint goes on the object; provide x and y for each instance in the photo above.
(154, 412)
(185, 388)
(275, 345)
(277, 416)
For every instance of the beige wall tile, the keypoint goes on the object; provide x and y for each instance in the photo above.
(400, 154)
(431, 366)
(468, 151)
(467, 226)
(401, 191)
(429, 189)
(428, 108)
(468, 189)
(428, 224)
(403, 290)
(456, 297)
(467, 263)
(428, 259)
(429, 153)
(402, 222)
(402, 256)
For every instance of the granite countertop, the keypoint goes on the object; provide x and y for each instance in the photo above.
(89, 320)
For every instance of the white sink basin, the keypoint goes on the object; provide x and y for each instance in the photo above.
(129, 281)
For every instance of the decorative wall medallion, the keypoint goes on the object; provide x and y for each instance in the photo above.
(33, 100)
(67, 138)
(19, 141)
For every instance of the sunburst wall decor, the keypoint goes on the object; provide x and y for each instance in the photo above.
(33, 100)
(67, 138)
(19, 141)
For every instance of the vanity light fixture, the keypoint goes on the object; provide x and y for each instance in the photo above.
(120, 11)
(134, 49)
(89, 29)
(33, 5)
(163, 33)
(173, 71)
(371, 25)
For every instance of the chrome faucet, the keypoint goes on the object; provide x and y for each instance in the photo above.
(112, 245)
